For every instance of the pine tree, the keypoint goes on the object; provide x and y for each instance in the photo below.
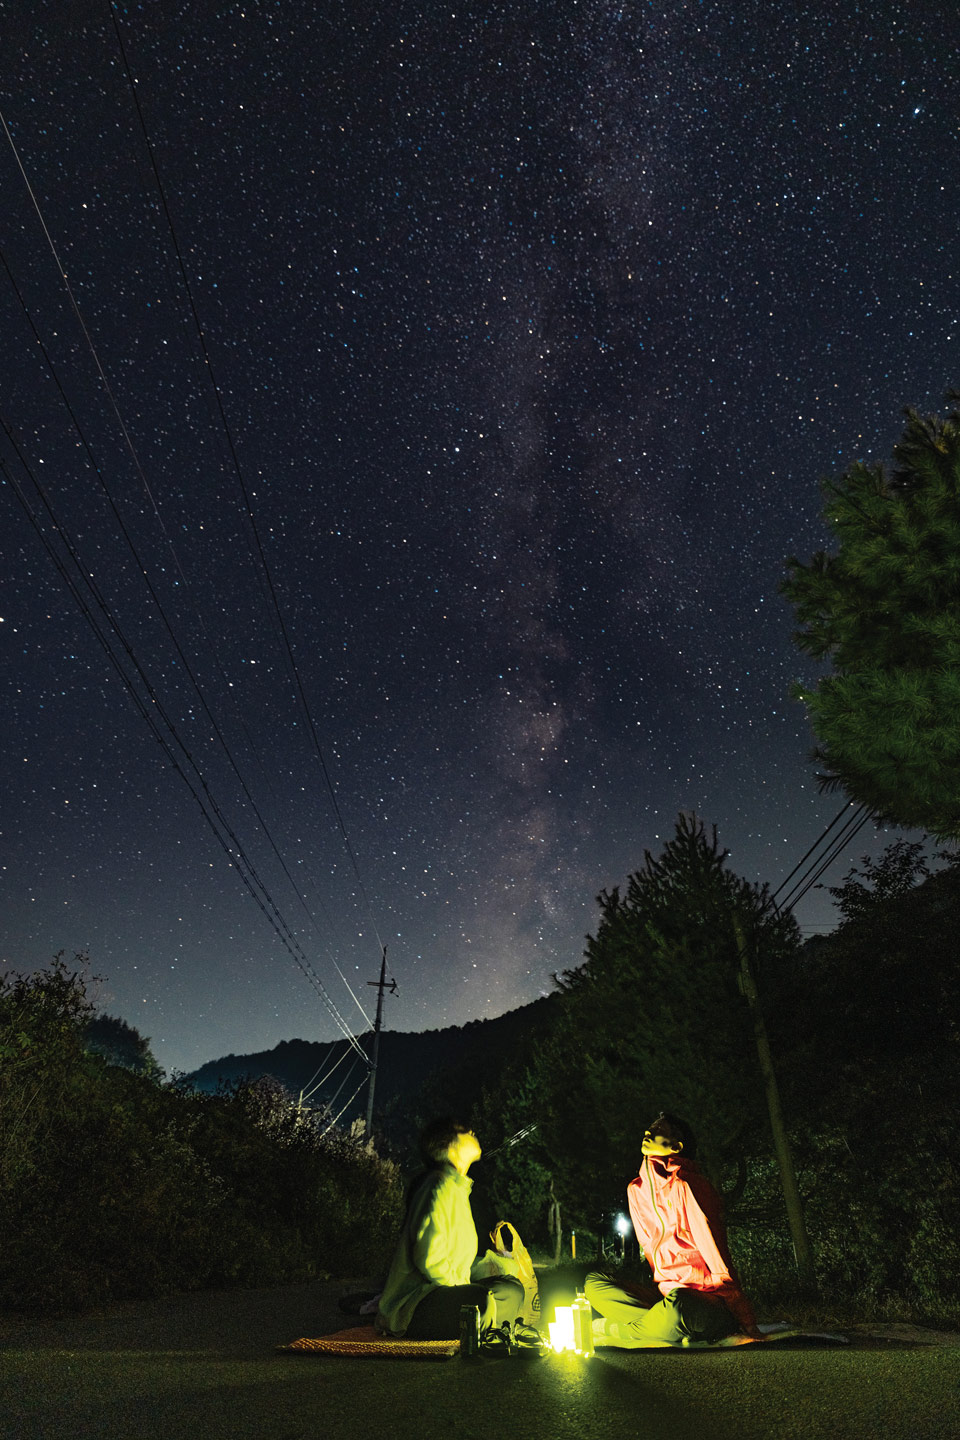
(654, 1019)
(885, 612)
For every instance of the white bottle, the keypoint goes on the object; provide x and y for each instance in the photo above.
(582, 1325)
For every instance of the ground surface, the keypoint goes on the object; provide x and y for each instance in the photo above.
(202, 1367)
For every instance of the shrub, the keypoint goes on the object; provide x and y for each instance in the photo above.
(116, 1186)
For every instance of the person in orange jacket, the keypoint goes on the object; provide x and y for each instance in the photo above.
(678, 1218)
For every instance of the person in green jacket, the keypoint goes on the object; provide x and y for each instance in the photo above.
(429, 1278)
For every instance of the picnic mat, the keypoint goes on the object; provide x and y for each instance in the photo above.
(781, 1330)
(364, 1340)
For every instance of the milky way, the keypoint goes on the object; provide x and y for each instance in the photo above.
(534, 329)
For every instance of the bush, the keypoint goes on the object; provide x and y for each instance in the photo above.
(883, 1223)
(116, 1186)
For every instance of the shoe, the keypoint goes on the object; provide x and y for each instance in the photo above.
(496, 1340)
(527, 1337)
(363, 1304)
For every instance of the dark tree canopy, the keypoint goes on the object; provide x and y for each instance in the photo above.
(654, 1019)
(900, 868)
(120, 1044)
(884, 610)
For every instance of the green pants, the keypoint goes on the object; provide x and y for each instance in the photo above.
(684, 1314)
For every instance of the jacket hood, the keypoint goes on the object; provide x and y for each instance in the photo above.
(669, 1166)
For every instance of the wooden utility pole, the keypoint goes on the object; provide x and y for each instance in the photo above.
(381, 985)
(788, 1175)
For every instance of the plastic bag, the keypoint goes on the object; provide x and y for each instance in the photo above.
(492, 1263)
(507, 1245)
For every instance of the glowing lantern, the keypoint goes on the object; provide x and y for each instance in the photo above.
(561, 1329)
(573, 1327)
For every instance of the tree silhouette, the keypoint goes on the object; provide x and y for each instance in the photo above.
(654, 1019)
(120, 1044)
(885, 612)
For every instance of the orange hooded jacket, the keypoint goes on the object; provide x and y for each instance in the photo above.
(678, 1218)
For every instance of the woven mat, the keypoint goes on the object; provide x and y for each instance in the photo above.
(364, 1340)
(778, 1331)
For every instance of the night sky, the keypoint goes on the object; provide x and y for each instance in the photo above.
(534, 328)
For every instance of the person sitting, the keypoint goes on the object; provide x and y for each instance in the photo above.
(678, 1219)
(429, 1277)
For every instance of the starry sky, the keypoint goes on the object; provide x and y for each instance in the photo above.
(425, 448)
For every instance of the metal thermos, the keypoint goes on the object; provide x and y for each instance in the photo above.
(469, 1330)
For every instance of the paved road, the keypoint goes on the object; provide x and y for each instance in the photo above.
(202, 1367)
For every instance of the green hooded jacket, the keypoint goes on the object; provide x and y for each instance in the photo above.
(438, 1245)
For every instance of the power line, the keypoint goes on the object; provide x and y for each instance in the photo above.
(139, 564)
(184, 662)
(844, 837)
(309, 1089)
(813, 847)
(236, 856)
(344, 1107)
(353, 1065)
(839, 846)
(208, 805)
(240, 478)
(825, 859)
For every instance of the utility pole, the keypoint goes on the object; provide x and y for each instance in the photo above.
(788, 1175)
(381, 985)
